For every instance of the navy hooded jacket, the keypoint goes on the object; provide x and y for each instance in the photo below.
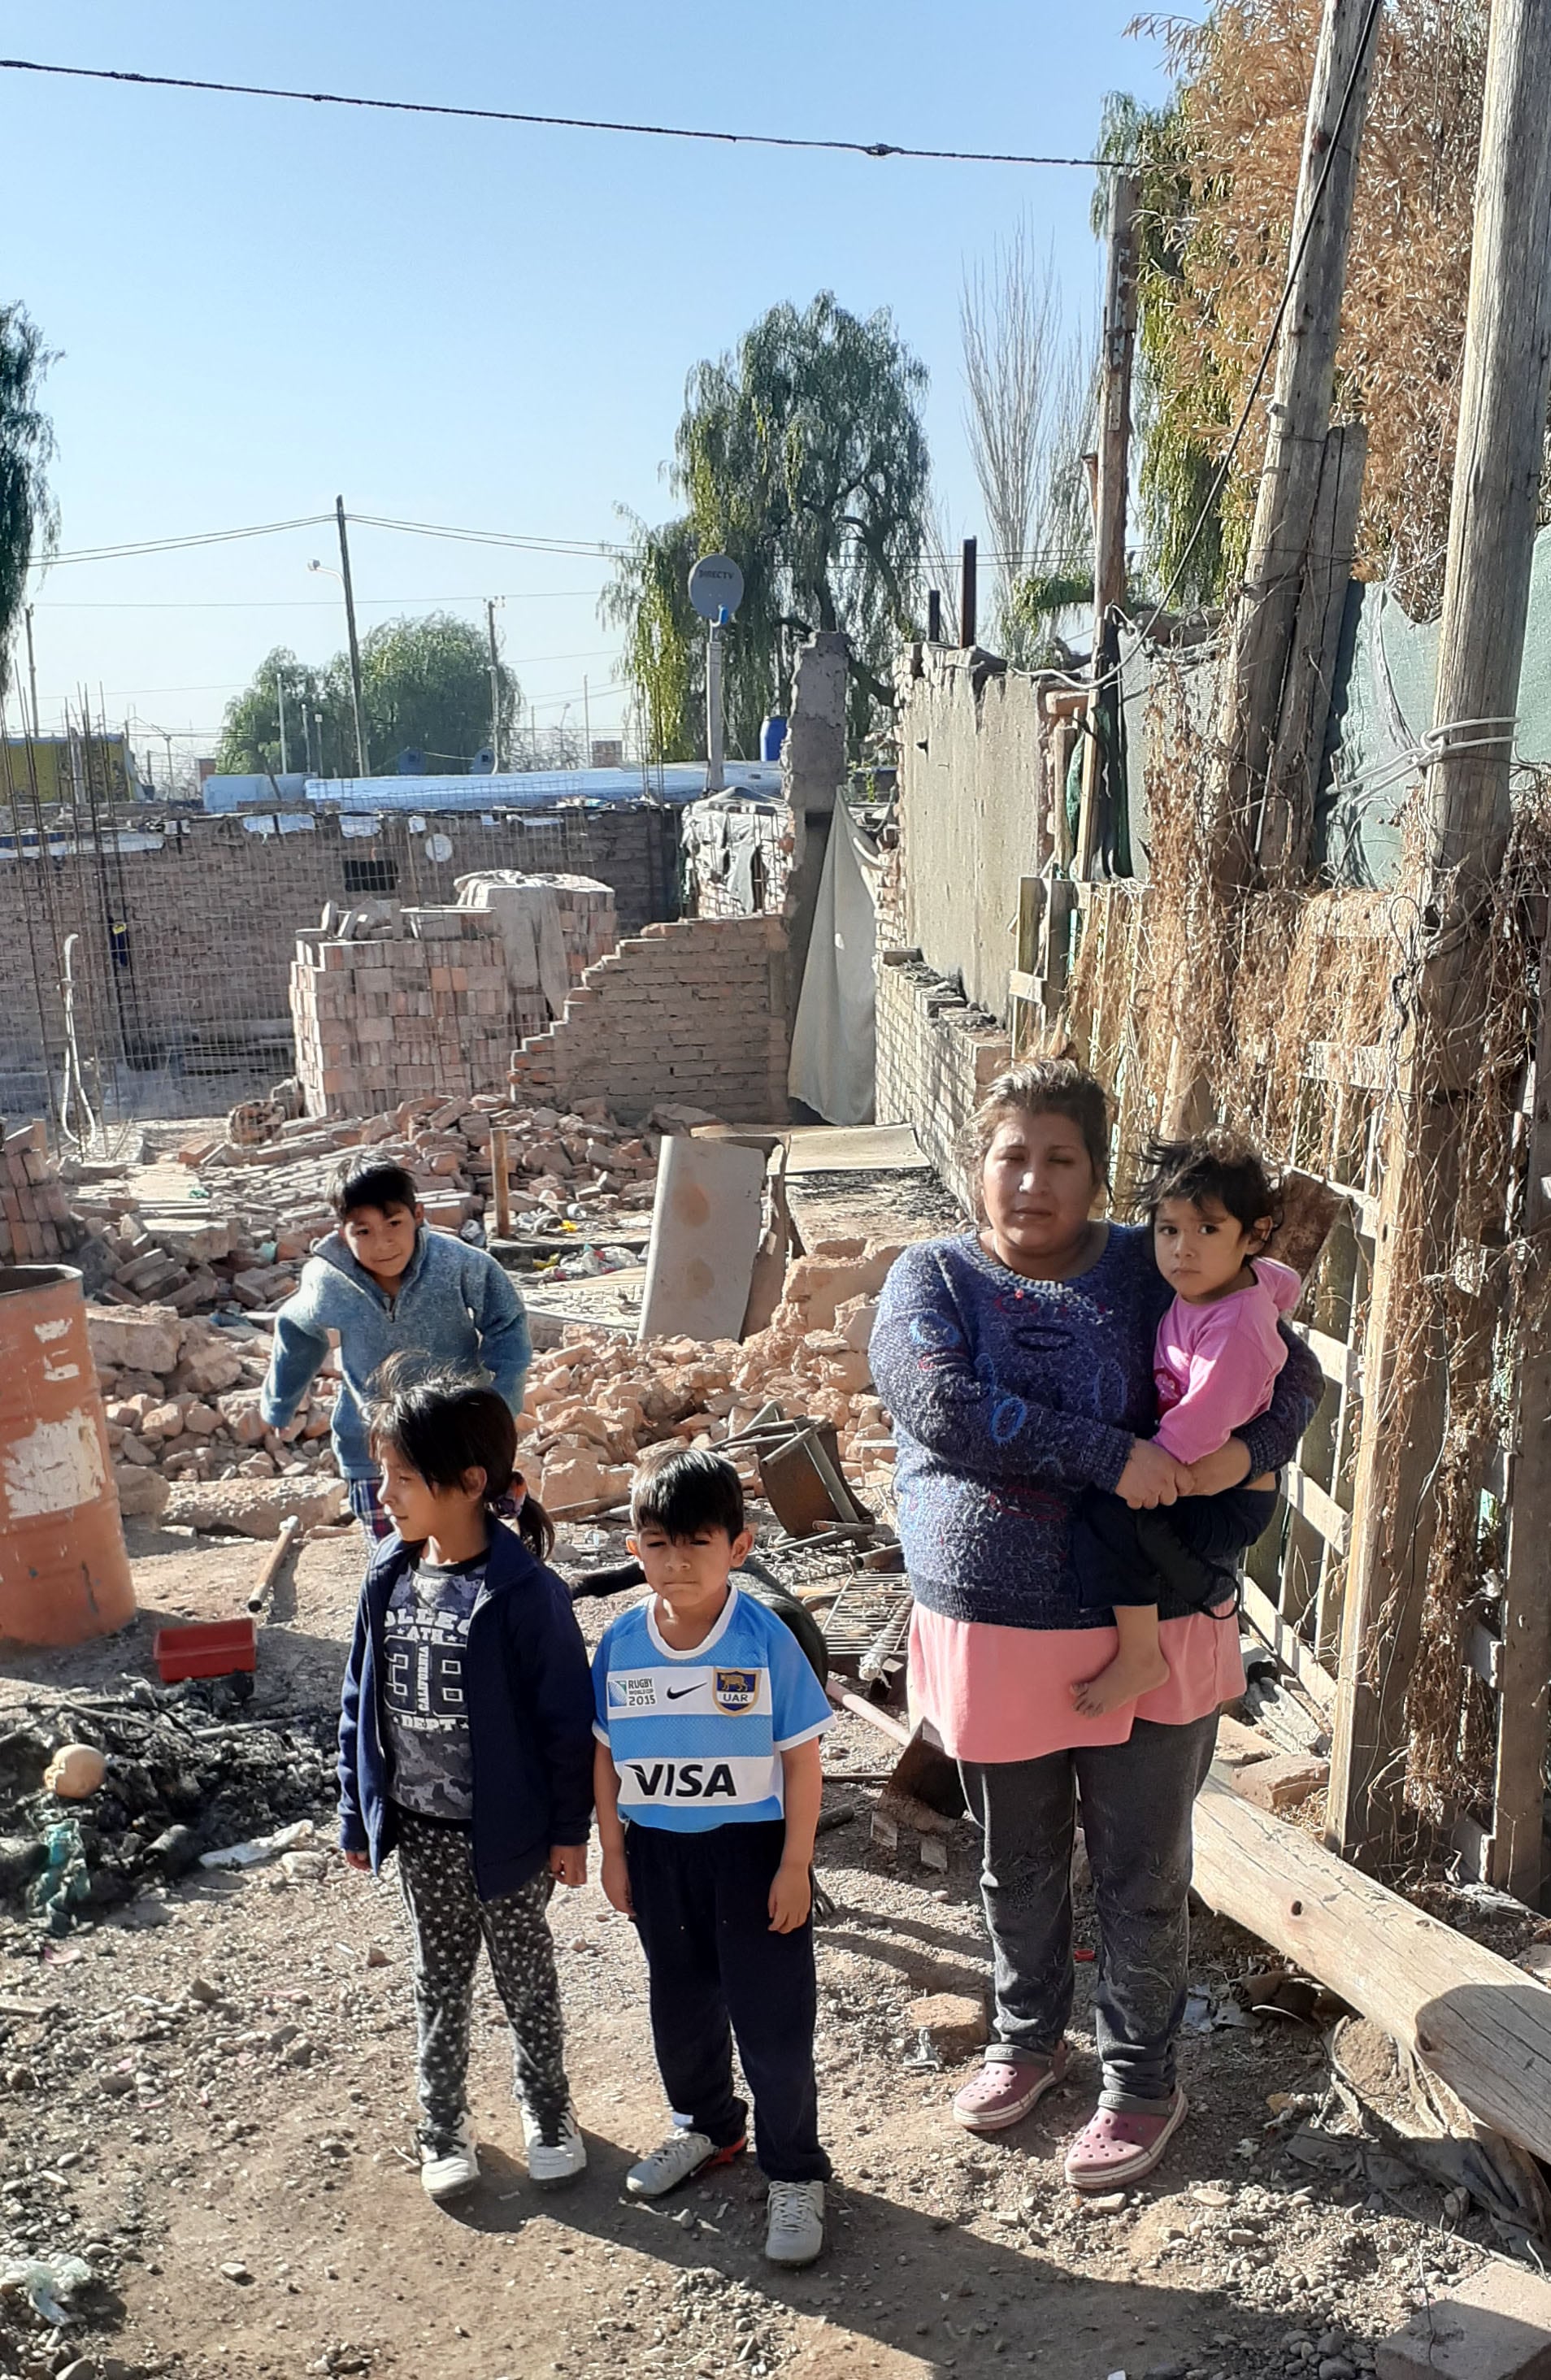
(529, 1717)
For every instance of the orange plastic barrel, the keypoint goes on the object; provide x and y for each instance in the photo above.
(64, 1572)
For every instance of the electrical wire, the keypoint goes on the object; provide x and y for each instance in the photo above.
(559, 123)
(180, 544)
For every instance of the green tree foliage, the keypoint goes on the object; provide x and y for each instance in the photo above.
(424, 688)
(801, 455)
(28, 517)
(664, 657)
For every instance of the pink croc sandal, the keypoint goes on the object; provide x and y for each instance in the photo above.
(1119, 2146)
(1006, 2090)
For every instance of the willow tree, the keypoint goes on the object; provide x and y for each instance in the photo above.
(424, 688)
(28, 517)
(802, 454)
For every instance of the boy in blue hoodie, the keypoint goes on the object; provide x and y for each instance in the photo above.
(389, 1286)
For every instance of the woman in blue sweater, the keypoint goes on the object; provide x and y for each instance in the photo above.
(1016, 1360)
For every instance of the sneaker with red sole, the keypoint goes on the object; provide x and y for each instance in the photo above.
(682, 2155)
(1007, 2089)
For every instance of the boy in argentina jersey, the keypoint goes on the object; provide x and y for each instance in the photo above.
(707, 1785)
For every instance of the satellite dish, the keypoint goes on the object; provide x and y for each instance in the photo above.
(716, 585)
(483, 763)
(411, 763)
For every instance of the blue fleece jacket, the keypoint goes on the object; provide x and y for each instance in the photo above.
(529, 1717)
(453, 1303)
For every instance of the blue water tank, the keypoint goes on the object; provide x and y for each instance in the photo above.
(772, 736)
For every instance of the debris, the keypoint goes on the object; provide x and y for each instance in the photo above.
(1283, 1781)
(49, 2284)
(705, 1230)
(259, 1848)
(256, 1508)
(953, 2023)
(64, 1881)
(275, 1563)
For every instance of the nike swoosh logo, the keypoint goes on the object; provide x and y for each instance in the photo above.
(677, 1693)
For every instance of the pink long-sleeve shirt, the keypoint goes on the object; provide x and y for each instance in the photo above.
(1215, 1365)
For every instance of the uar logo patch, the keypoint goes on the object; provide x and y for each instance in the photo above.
(734, 1690)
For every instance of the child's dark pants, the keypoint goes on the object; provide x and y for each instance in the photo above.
(702, 1908)
(1181, 1557)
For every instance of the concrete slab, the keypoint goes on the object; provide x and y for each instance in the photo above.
(1497, 2325)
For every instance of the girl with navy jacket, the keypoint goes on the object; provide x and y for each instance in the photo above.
(466, 1745)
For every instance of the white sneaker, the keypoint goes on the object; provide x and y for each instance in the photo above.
(557, 2160)
(444, 2172)
(795, 2232)
(681, 2154)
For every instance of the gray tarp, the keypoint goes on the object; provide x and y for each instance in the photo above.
(832, 1040)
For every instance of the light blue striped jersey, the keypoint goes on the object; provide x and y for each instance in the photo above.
(696, 1737)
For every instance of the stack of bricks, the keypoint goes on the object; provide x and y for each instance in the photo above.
(36, 1224)
(381, 1020)
(937, 1056)
(588, 921)
(693, 1013)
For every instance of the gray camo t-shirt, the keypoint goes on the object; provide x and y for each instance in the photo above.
(425, 1713)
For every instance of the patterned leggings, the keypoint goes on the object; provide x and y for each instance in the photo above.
(436, 1870)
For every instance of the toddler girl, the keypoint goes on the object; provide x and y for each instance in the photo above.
(465, 1745)
(1216, 1361)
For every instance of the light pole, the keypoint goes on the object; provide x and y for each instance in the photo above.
(490, 602)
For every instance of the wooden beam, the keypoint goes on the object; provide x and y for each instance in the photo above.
(1288, 1645)
(1284, 836)
(1297, 420)
(1481, 2024)
(1318, 1507)
(1109, 510)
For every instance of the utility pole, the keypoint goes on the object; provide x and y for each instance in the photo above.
(1101, 747)
(280, 702)
(32, 671)
(587, 726)
(355, 646)
(495, 682)
(1421, 1299)
(1299, 419)
(968, 602)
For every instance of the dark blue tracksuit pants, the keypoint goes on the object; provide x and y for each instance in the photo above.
(1183, 1556)
(716, 1971)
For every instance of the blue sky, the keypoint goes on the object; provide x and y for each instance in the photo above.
(259, 304)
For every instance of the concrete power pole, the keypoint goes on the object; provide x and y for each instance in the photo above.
(1109, 510)
(1504, 384)
(354, 645)
(495, 682)
(1295, 444)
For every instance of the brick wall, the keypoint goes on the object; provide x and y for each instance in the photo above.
(936, 1056)
(427, 1006)
(209, 913)
(693, 1013)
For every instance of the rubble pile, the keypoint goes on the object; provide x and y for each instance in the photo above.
(259, 1202)
(596, 1401)
(185, 1775)
(181, 1396)
(36, 1224)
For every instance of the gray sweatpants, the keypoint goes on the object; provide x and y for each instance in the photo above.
(449, 1922)
(1136, 1819)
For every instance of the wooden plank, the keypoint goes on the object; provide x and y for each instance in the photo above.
(1341, 1364)
(1288, 1645)
(1022, 984)
(1470, 2017)
(1285, 841)
(1317, 1506)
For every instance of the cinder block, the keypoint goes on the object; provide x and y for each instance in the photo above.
(1497, 2325)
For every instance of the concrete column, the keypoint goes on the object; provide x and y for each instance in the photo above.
(812, 771)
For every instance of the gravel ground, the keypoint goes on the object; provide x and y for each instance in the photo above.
(206, 2095)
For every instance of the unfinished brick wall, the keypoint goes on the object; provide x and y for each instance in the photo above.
(693, 1013)
(425, 1006)
(938, 1055)
(187, 932)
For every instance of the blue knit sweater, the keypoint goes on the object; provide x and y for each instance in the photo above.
(1010, 1397)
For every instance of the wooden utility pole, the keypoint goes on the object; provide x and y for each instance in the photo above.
(968, 606)
(1109, 511)
(1288, 501)
(1504, 386)
(350, 633)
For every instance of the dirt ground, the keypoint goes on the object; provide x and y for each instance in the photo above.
(209, 2092)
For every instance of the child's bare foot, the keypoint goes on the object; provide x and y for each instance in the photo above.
(1129, 1674)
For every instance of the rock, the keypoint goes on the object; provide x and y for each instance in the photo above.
(235, 2271)
(142, 1495)
(571, 1477)
(954, 2023)
(165, 1420)
(144, 1340)
(240, 1413)
(208, 1368)
(1281, 1782)
(202, 1421)
(254, 1508)
(1497, 2325)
